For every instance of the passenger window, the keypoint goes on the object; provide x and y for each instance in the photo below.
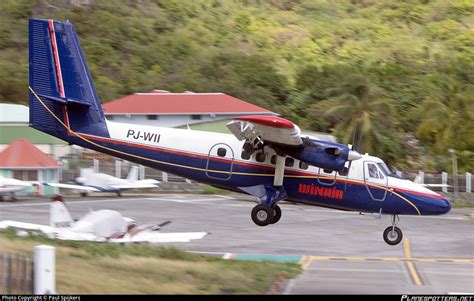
(373, 171)
(303, 165)
(260, 157)
(289, 162)
(221, 152)
(245, 155)
(273, 159)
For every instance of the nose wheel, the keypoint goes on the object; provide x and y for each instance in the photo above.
(393, 235)
(263, 215)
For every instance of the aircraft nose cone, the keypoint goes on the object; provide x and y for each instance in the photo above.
(353, 155)
(444, 206)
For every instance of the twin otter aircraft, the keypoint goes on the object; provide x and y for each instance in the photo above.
(266, 156)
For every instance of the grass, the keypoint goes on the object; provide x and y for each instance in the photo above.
(101, 268)
(213, 190)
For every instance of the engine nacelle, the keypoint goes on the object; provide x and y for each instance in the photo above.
(326, 155)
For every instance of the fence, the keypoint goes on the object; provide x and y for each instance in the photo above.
(444, 180)
(119, 169)
(16, 274)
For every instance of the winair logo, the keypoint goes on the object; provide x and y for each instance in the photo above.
(147, 136)
(321, 191)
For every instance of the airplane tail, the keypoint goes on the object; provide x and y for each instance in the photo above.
(63, 100)
(133, 174)
(59, 215)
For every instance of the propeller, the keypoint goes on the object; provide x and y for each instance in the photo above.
(353, 153)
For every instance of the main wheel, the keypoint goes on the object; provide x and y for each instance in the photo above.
(276, 214)
(262, 215)
(392, 235)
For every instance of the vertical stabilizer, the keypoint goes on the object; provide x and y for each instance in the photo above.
(59, 215)
(62, 94)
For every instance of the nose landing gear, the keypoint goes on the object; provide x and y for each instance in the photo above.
(393, 235)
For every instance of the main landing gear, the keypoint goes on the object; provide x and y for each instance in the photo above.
(393, 235)
(268, 212)
(263, 215)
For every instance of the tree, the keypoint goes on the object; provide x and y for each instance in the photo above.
(445, 115)
(358, 113)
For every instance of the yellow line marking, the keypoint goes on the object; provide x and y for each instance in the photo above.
(305, 262)
(413, 273)
(410, 265)
(406, 247)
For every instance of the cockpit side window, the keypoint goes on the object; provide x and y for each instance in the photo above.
(374, 171)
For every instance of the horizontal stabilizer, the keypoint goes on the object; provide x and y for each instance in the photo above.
(66, 101)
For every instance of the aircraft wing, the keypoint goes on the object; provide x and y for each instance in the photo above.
(72, 186)
(133, 186)
(51, 232)
(26, 226)
(267, 128)
(159, 237)
(286, 139)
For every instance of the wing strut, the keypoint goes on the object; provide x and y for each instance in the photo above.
(279, 171)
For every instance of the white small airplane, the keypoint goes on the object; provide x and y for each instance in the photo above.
(99, 226)
(100, 182)
(8, 187)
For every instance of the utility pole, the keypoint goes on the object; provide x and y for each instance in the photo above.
(455, 173)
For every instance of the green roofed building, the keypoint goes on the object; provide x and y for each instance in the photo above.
(14, 125)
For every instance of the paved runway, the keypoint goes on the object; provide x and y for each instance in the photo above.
(341, 252)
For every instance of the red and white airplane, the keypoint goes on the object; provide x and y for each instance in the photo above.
(266, 156)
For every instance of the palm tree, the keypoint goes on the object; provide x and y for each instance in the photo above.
(443, 115)
(358, 113)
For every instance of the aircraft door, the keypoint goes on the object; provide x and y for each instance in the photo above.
(220, 162)
(375, 181)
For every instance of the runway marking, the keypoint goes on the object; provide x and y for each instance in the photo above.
(305, 262)
(410, 265)
(391, 259)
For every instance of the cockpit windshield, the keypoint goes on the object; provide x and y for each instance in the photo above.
(386, 170)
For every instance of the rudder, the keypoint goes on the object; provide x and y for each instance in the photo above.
(62, 94)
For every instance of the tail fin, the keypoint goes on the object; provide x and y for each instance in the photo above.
(133, 174)
(62, 94)
(59, 215)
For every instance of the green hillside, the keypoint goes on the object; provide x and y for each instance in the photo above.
(398, 74)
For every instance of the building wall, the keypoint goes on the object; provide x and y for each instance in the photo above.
(43, 175)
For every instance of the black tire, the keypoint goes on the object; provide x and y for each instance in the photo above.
(276, 214)
(262, 215)
(392, 238)
(84, 194)
(119, 194)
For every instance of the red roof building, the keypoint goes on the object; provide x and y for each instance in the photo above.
(24, 161)
(162, 108)
(21, 154)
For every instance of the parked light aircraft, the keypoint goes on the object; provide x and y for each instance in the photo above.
(8, 187)
(91, 181)
(101, 226)
(266, 156)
